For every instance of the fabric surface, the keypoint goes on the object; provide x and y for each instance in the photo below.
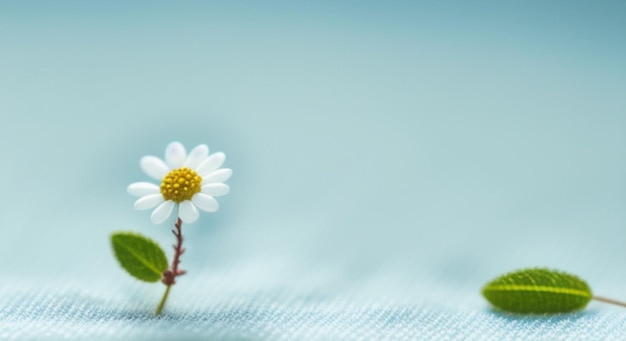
(389, 158)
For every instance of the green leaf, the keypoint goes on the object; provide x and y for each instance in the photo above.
(538, 291)
(140, 256)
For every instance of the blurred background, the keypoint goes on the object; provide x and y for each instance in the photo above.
(396, 154)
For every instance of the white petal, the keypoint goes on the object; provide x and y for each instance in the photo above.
(205, 202)
(215, 190)
(196, 156)
(219, 175)
(162, 212)
(214, 162)
(187, 212)
(148, 201)
(154, 167)
(175, 155)
(139, 189)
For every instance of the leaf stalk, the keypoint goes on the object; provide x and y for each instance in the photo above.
(610, 301)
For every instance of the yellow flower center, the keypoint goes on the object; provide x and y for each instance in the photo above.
(180, 184)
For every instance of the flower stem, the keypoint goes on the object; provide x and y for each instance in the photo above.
(159, 309)
(169, 275)
(609, 300)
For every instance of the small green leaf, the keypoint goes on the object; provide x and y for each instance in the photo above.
(538, 291)
(140, 256)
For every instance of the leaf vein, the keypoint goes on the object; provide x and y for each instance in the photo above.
(538, 288)
(138, 256)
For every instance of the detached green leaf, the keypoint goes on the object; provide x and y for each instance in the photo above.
(140, 256)
(538, 291)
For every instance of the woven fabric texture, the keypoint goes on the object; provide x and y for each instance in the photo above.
(389, 158)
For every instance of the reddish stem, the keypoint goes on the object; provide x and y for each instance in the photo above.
(169, 275)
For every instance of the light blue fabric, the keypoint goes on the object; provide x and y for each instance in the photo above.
(389, 159)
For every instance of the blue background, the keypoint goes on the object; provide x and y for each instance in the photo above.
(389, 159)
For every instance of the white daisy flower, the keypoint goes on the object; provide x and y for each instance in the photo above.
(188, 182)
